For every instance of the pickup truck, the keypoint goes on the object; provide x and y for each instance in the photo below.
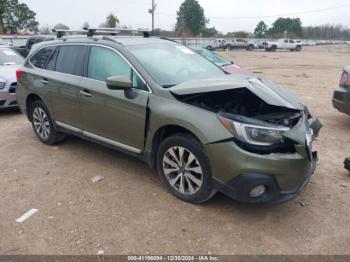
(238, 43)
(32, 40)
(283, 44)
(235, 43)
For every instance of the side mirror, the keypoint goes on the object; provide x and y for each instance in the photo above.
(119, 83)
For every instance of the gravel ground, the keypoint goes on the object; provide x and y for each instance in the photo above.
(130, 212)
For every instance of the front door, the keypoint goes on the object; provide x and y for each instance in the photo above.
(110, 115)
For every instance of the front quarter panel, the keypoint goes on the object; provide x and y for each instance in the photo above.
(203, 124)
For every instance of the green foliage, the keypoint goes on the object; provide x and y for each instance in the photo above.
(190, 18)
(291, 25)
(325, 32)
(260, 30)
(15, 17)
(241, 34)
(61, 26)
(86, 25)
(112, 21)
(45, 30)
(209, 32)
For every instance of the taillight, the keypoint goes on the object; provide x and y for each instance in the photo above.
(345, 79)
(19, 74)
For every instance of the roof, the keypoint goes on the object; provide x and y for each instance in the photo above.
(128, 41)
(120, 40)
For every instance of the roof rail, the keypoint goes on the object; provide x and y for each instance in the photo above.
(115, 31)
(90, 32)
(63, 32)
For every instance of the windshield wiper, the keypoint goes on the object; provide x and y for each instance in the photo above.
(168, 86)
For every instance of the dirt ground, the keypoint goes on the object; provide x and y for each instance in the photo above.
(130, 211)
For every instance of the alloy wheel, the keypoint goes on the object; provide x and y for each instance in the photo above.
(41, 123)
(182, 170)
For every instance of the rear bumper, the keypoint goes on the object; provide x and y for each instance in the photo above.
(7, 100)
(341, 100)
(240, 187)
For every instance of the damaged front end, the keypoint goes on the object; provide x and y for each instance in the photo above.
(269, 157)
(261, 119)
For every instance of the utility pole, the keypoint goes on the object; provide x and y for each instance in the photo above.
(152, 11)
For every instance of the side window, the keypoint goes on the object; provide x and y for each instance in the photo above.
(40, 58)
(104, 62)
(51, 63)
(70, 59)
(286, 41)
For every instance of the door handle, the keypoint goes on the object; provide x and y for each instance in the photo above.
(44, 81)
(85, 93)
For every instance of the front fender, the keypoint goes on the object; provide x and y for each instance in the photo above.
(202, 123)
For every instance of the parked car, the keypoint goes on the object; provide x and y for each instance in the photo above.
(238, 43)
(218, 44)
(9, 63)
(235, 43)
(259, 44)
(203, 130)
(341, 96)
(227, 65)
(284, 44)
(32, 40)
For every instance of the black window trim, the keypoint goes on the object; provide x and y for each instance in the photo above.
(47, 60)
(149, 90)
(87, 54)
(55, 45)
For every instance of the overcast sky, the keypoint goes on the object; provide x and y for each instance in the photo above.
(134, 12)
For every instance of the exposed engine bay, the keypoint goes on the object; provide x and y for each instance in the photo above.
(242, 102)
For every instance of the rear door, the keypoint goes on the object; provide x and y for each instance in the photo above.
(65, 69)
(56, 85)
(109, 115)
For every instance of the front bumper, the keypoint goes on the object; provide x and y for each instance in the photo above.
(341, 100)
(7, 100)
(236, 172)
(240, 187)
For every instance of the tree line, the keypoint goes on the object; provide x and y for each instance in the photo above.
(190, 21)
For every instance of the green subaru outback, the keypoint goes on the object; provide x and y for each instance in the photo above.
(202, 129)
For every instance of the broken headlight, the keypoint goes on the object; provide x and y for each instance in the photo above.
(254, 134)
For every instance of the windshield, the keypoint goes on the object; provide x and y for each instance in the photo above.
(172, 64)
(215, 58)
(10, 57)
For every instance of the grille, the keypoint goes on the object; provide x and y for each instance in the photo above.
(13, 87)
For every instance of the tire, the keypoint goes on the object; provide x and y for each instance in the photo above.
(190, 182)
(210, 47)
(43, 125)
(273, 48)
(250, 47)
(298, 48)
(229, 47)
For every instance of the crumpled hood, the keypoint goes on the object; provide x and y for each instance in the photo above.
(265, 90)
(8, 73)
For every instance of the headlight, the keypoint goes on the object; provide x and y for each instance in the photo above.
(2, 85)
(254, 134)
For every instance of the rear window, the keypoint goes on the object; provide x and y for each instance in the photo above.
(10, 57)
(40, 58)
(70, 59)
